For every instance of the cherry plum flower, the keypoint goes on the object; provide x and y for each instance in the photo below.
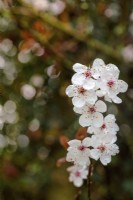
(85, 76)
(87, 85)
(81, 95)
(108, 127)
(78, 152)
(91, 114)
(103, 147)
(77, 174)
(109, 85)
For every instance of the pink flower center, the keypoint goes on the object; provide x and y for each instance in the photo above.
(81, 148)
(101, 148)
(81, 90)
(110, 83)
(77, 174)
(103, 126)
(92, 109)
(88, 74)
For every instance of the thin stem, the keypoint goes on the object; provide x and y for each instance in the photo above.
(66, 28)
(89, 181)
(77, 196)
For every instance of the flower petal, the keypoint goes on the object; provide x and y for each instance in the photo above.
(89, 84)
(74, 143)
(78, 102)
(100, 106)
(71, 90)
(109, 118)
(86, 142)
(78, 79)
(78, 110)
(78, 182)
(91, 97)
(95, 154)
(105, 159)
(122, 86)
(97, 67)
(85, 120)
(79, 68)
(113, 69)
(116, 100)
(97, 119)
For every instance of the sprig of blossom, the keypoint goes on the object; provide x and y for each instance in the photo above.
(90, 87)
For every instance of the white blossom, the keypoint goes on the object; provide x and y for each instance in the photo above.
(87, 85)
(109, 85)
(103, 147)
(81, 95)
(77, 174)
(108, 127)
(78, 152)
(83, 76)
(91, 114)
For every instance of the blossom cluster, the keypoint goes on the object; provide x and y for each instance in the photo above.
(91, 88)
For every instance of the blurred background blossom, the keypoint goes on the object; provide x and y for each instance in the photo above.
(39, 42)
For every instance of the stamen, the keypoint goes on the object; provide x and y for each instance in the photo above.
(103, 126)
(88, 74)
(110, 83)
(77, 174)
(81, 90)
(92, 109)
(81, 148)
(101, 148)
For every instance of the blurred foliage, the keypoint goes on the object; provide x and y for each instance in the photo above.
(39, 43)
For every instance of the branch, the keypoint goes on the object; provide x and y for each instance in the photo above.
(67, 29)
(89, 181)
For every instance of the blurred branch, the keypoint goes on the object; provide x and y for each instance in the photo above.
(89, 181)
(66, 28)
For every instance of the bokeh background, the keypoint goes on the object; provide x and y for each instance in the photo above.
(40, 40)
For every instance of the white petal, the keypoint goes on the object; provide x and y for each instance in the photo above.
(122, 86)
(78, 182)
(86, 142)
(95, 153)
(116, 100)
(89, 84)
(116, 127)
(85, 120)
(105, 159)
(110, 118)
(70, 157)
(113, 69)
(74, 143)
(78, 110)
(78, 79)
(109, 138)
(97, 119)
(97, 67)
(84, 174)
(78, 102)
(79, 68)
(107, 98)
(100, 106)
(71, 90)
(100, 93)
(91, 97)
(91, 129)
(98, 62)
(82, 158)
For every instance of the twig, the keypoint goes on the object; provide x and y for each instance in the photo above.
(89, 181)
(67, 29)
(77, 196)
